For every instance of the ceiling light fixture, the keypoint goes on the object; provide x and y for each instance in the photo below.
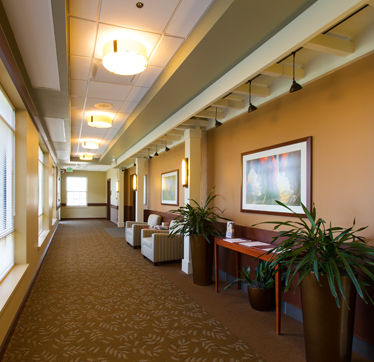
(99, 121)
(91, 145)
(217, 123)
(139, 5)
(85, 157)
(149, 155)
(124, 56)
(251, 107)
(156, 154)
(295, 86)
(134, 162)
(166, 148)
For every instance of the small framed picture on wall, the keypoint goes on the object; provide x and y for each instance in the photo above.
(169, 188)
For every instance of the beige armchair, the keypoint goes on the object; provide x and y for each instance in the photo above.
(133, 229)
(157, 246)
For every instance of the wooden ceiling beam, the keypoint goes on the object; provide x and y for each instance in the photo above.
(331, 45)
(227, 103)
(256, 90)
(209, 113)
(170, 138)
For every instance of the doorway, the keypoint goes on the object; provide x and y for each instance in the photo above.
(108, 195)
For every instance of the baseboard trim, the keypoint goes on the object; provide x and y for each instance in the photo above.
(13, 325)
(359, 346)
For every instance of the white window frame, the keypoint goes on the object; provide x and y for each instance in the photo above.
(78, 187)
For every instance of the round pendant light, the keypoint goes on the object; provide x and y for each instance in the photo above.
(99, 121)
(91, 145)
(124, 56)
(85, 157)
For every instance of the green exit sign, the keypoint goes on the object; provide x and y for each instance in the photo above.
(69, 169)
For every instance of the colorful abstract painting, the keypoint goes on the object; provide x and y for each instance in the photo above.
(279, 173)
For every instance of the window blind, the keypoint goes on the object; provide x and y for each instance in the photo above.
(7, 122)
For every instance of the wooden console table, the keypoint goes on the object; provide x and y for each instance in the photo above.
(252, 251)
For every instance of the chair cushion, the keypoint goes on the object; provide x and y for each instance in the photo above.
(147, 242)
(154, 219)
(129, 232)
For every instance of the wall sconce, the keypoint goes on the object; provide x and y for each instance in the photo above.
(99, 121)
(135, 183)
(117, 186)
(124, 56)
(185, 172)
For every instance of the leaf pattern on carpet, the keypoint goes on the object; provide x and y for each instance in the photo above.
(97, 299)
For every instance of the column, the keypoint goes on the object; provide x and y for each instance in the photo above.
(139, 204)
(192, 141)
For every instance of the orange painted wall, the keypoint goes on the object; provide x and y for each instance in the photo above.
(165, 162)
(337, 111)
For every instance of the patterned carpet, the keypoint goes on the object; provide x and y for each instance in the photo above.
(97, 299)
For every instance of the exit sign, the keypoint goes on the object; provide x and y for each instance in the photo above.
(69, 169)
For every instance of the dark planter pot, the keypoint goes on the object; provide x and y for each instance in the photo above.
(260, 299)
(328, 330)
(202, 260)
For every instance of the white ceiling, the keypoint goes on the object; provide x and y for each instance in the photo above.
(162, 26)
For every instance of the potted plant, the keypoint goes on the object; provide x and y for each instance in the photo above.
(200, 222)
(332, 264)
(260, 289)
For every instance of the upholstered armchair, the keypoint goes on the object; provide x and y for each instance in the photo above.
(157, 246)
(134, 228)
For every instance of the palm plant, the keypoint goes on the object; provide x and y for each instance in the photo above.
(334, 252)
(198, 220)
(264, 276)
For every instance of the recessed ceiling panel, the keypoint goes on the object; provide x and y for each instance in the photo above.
(128, 107)
(109, 32)
(148, 77)
(32, 26)
(154, 16)
(79, 67)
(108, 91)
(165, 51)
(56, 129)
(78, 88)
(86, 9)
(187, 16)
(82, 37)
(62, 155)
(136, 94)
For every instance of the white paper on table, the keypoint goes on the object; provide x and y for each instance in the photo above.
(234, 240)
(254, 243)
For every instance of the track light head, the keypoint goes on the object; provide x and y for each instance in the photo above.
(149, 156)
(156, 154)
(251, 108)
(295, 86)
(218, 124)
(167, 149)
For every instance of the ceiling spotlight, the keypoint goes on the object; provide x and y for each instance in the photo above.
(124, 56)
(156, 154)
(251, 107)
(91, 145)
(139, 5)
(85, 157)
(134, 162)
(217, 123)
(166, 148)
(99, 121)
(149, 155)
(295, 86)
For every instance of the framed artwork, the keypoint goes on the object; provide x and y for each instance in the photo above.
(281, 172)
(169, 188)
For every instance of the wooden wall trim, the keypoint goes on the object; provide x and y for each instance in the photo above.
(113, 206)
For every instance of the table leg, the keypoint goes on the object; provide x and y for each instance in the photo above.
(278, 300)
(237, 269)
(216, 264)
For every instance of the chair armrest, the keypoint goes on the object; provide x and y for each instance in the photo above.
(146, 233)
(129, 224)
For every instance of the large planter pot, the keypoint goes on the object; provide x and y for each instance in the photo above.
(328, 330)
(202, 260)
(260, 299)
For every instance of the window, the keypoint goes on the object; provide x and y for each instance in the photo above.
(76, 191)
(7, 123)
(41, 190)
